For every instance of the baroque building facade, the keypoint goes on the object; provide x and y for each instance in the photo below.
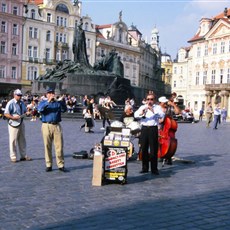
(142, 61)
(41, 33)
(11, 22)
(202, 72)
(48, 36)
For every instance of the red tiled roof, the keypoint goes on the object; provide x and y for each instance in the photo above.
(99, 27)
(37, 2)
(221, 15)
(214, 20)
(196, 37)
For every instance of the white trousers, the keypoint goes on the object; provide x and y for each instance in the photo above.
(17, 138)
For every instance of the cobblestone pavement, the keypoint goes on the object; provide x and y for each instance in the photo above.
(184, 195)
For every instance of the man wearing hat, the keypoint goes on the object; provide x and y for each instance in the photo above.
(51, 110)
(14, 110)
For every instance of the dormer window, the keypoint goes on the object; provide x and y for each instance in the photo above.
(86, 26)
(120, 35)
(33, 14)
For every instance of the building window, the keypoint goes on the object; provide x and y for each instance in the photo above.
(221, 76)
(222, 47)
(213, 76)
(48, 17)
(206, 50)
(15, 10)
(30, 52)
(14, 49)
(195, 105)
(198, 51)
(35, 52)
(197, 78)
(57, 36)
(15, 29)
(3, 27)
(35, 33)
(32, 73)
(57, 21)
(3, 47)
(33, 14)
(174, 84)
(14, 72)
(88, 43)
(204, 77)
(120, 35)
(4, 8)
(48, 36)
(58, 55)
(2, 71)
(47, 54)
(65, 22)
(175, 70)
(214, 48)
(61, 21)
(64, 38)
(30, 32)
(181, 69)
(64, 55)
(228, 76)
(86, 26)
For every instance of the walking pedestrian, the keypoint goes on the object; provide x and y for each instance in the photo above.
(201, 114)
(217, 113)
(150, 114)
(224, 114)
(209, 114)
(14, 110)
(50, 111)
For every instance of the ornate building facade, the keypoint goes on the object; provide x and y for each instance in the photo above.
(48, 36)
(11, 35)
(142, 61)
(41, 33)
(202, 71)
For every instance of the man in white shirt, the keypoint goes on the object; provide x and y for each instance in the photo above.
(149, 114)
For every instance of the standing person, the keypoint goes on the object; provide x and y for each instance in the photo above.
(209, 113)
(217, 113)
(89, 119)
(201, 114)
(150, 114)
(50, 111)
(13, 111)
(171, 109)
(224, 114)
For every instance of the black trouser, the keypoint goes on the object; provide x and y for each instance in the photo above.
(104, 120)
(149, 147)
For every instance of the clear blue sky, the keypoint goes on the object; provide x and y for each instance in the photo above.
(177, 21)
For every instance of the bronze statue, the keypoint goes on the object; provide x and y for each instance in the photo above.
(79, 45)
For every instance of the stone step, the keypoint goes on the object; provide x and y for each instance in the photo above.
(78, 113)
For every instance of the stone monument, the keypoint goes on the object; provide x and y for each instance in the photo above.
(78, 77)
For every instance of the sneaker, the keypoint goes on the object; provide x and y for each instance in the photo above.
(26, 158)
(102, 128)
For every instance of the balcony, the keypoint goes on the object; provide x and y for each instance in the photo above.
(217, 87)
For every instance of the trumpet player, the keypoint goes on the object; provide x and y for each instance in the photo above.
(50, 111)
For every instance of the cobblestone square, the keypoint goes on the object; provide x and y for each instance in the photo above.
(184, 195)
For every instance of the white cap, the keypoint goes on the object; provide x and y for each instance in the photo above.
(18, 92)
(163, 99)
